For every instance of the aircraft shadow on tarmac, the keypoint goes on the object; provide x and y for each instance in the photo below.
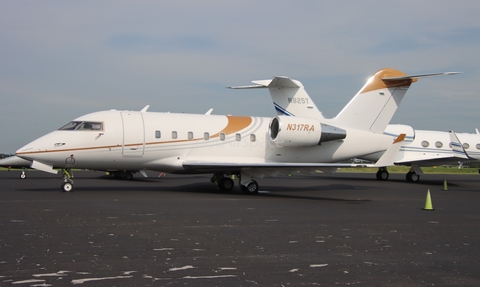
(424, 181)
(136, 185)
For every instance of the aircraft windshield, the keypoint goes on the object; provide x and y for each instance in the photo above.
(83, 126)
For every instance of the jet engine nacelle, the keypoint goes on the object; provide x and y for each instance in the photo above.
(302, 132)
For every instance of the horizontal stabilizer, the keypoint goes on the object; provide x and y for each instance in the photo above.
(249, 87)
(276, 82)
(413, 77)
(289, 97)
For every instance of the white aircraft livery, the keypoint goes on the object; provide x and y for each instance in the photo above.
(423, 148)
(249, 147)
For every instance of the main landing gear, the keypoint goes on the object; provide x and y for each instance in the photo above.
(382, 173)
(67, 185)
(411, 176)
(226, 183)
(123, 174)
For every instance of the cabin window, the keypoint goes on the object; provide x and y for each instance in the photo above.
(439, 144)
(83, 126)
(206, 136)
(253, 138)
(158, 134)
(466, 146)
(238, 137)
(222, 136)
(478, 146)
(190, 135)
(425, 143)
(174, 135)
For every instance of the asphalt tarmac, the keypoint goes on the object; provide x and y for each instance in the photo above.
(319, 230)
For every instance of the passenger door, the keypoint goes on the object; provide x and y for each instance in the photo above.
(133, 134)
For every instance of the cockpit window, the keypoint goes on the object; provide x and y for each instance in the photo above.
(83, 126)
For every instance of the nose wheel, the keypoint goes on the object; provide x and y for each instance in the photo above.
(23, 175)
(67, 185)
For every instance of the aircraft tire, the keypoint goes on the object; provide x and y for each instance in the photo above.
(225, 184)
(128, 175)
(415, 177)
(408, 176)
(250, 188)
(382, 175)
(412, 176)
(23, 176)
(67, 187)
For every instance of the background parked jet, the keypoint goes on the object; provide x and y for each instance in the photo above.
(423, 148)
(16, 162)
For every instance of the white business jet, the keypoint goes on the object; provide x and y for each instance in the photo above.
(423, 148)
(249, 147)
(16, 162)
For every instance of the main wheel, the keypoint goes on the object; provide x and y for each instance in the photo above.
(251, 187)
(128, 175)
(415, 177)
(67, 187)
(382, 175)
(225, 184)
(412, 176)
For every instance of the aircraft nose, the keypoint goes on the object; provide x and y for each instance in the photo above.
(29, 150)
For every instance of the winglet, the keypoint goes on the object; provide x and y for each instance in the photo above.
(457, 147)
(400, 138)
(388, 157)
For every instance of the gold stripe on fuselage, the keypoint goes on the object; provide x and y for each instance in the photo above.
(235, 124)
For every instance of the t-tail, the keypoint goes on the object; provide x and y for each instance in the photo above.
(289, 97)
(371, 109)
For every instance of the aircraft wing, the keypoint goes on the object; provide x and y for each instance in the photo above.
(387, 159)
(457, 147)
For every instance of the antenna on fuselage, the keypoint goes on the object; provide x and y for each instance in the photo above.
(145, 108)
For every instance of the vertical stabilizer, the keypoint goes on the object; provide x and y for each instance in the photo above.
(289, 97)
(374, 105)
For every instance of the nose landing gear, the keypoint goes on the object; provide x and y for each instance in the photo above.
(67, 185)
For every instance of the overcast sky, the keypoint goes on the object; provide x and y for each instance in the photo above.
(63, 59)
